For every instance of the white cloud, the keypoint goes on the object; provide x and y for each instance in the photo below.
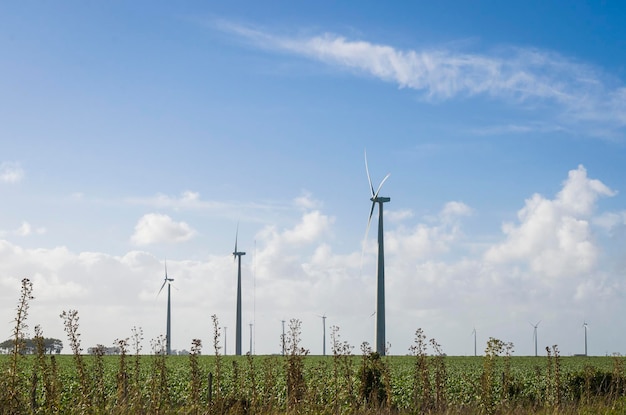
(455, 209)
(26, 229)
(398, 215)
(306, 201)
(156, 228)
(312, 226)
(581, 94)
(428, 241)
(553, 237)
(11, 172)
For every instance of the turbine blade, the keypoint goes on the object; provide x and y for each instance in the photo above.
(236, 236)
(368, 175)
(381, 185)
(165, 268)
(367, 229)
(164, 282)
(369, 220)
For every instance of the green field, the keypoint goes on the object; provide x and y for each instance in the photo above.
(313, 384)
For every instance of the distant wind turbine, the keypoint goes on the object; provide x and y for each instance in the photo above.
(251, 339)
(237, 255)
(535, 334)
(168, 335)
(225, 339)
(380, 275)
(585, 327)
(474, 334)
(282, 338)
(323, 317)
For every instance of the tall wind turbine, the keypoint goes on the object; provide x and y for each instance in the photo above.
(380, 275)
(237, 255)
(168, 335)
(535, 334)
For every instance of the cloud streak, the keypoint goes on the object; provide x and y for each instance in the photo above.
(581, 94)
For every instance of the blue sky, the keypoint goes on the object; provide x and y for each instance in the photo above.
(131, 132)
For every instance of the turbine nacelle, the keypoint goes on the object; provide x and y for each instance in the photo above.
(380, 199)
(166, 280)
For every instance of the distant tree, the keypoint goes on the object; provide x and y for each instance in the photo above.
(51, 345)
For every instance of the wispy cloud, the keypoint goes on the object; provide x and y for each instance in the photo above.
(187, 200)
(306, 201)
(579, 93)
(26, 229)
(11, 172)
(190, 200)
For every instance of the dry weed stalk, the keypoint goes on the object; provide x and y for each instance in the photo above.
(296, 385)
(70, 321)
(11, 398)
(196, 377)
(422, 397)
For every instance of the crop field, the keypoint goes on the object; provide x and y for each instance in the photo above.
(424, 382)
(298, 383)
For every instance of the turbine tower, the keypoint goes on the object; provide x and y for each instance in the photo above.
(251, 339)
(535, 334)
(380, 274)
(168, 335)
(474, 333)
(225, 339)
(282, 338)
(237, 255)
(585, 327)
(323, 317)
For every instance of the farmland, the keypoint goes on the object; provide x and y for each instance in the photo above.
(298, 383)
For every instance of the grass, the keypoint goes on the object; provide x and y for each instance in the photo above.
(426, 382)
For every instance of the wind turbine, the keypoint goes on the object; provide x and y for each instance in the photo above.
(237, 255)
(585, 327)
(282, 338)
(535, 334)
(380, 275)
(168, 335)
(323, 317)
(474, 333)
(251, 339)
(225, 339)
